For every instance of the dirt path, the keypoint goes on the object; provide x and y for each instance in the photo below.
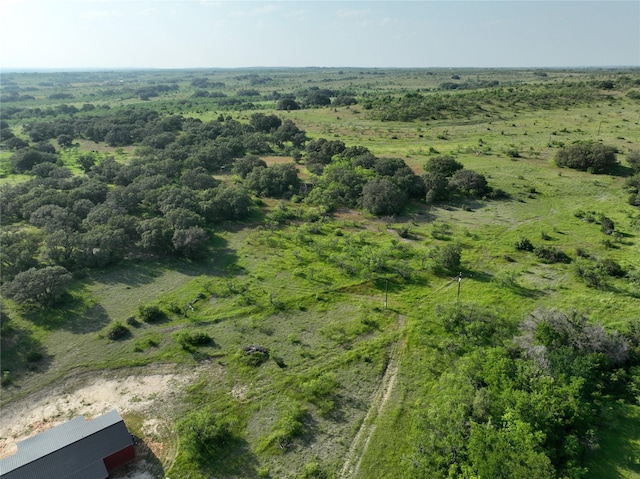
(367, 428)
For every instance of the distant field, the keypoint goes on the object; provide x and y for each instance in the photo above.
(351, 307)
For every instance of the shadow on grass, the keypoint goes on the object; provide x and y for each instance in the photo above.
(20, 351)
(219, 260)
(619, 452)
(71, 314)
(234, 459)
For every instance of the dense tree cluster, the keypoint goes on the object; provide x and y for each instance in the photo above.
(162, 202)
(432, 106)
(518, 403)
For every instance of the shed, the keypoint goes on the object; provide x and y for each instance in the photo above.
(77, 449)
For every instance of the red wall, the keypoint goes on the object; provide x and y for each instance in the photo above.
(119, 458)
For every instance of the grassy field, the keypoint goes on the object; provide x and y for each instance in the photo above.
(310, 292)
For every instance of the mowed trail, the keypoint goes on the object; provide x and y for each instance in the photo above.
(365, 433)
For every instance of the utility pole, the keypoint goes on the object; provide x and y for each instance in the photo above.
(459, 283)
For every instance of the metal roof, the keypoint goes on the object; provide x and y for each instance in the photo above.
(75, 449)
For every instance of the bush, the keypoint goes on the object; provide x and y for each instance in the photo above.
(151, 313)
(34, 356)
(611, 268)
(523, 244)
(118, 331)
(551, 255)
(203, 433)
(588, 156)
(606, 225)
(288, 427)
(633, 158)
(446, 258)
(190, 341)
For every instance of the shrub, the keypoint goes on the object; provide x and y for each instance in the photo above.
(204, 432)
(551, 255)
(606, 225)
(151, 313)
(633, 158)
(34, 356)
(288, 427)
(190, 341)
(446, 258)
(523, 244)
(611, 268)
(588, 156)
(118, 331)
(319, 390)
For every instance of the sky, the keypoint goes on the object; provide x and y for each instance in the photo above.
(112, 34)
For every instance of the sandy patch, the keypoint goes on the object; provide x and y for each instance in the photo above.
(148, 395)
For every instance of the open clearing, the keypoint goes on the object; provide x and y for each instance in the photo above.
(147, 394)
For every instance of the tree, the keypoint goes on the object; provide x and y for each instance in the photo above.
(65, 141)
(275, 181)
(289, 131)
(243, 166)
(190, 242)
(198, 179)
(511, 451)
(633, 158)
(26, 158)
(469, 182)
(203, 432)
(436, 186)
(155, 235)
(382, 197)
(228, 203)
(18, 252)
(86, 162)
(444, 165)
(389, 166)
(287, 104)
(43, 286)
(446, 258)
(265, 123)
(588, 156)
(320, 152)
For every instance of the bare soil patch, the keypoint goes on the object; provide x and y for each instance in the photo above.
(146, 395)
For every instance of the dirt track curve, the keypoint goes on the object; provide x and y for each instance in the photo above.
(361, 440)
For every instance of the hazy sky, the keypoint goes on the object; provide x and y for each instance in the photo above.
(203, 33)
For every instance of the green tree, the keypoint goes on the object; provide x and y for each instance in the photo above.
(511, 451)
(265, 123)
(203, 433)
(436, 186)
(44, 285)
(633, 158)
(588, 156)
(381, 197)
(243, 166)
(444, 165)
(469, 182)
(287, 104)
(190, 242)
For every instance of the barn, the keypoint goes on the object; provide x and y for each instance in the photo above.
(77, 449)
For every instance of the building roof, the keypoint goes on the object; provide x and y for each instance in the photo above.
(74, 449)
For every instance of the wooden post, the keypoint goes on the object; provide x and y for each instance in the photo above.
(459, 283)
(386, 293)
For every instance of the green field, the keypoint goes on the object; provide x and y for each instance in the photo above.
(380, 361)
